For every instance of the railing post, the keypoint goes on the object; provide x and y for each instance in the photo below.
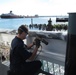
(70, 61)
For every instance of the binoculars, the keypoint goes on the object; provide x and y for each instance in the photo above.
(42, 39)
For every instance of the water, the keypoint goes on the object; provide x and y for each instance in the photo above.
(15, 23)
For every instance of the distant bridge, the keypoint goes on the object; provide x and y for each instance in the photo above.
(57, 16)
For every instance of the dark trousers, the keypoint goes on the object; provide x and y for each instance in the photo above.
(29, 68)
(32, 68)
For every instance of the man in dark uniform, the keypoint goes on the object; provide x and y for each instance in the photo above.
(19, 54)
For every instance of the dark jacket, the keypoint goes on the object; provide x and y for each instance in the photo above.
(18, 54)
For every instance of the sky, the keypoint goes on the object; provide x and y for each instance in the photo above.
(40, 7)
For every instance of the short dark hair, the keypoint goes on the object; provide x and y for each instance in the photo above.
(22, 28)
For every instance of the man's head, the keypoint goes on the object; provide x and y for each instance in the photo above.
(22, 31)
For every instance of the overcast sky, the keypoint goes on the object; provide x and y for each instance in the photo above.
(40, 7)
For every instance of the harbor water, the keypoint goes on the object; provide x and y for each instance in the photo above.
(15, 23)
